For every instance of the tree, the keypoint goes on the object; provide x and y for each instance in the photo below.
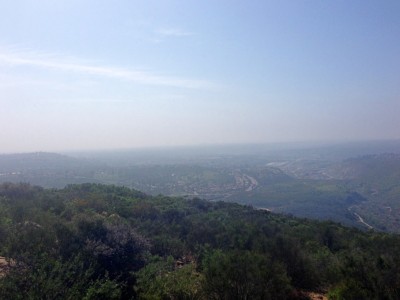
(243, 275)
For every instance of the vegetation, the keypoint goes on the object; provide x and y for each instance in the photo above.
(95, 241)
(361, 191)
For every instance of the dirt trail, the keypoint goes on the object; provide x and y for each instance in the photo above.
(253, 183)
(360, 219)
(317, 296)
(3, 266)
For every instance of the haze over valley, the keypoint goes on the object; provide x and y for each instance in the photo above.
(167, 149)
(352, 183)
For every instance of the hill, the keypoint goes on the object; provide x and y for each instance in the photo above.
(95, 241)
(376, 178)
(360, 191)
(49, 170)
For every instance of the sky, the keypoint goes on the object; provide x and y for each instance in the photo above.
(96, 74)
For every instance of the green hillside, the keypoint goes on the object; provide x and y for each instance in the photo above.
(377, 178)
(362, 192)
(105, 242)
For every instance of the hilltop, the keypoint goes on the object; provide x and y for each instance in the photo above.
(95, 241)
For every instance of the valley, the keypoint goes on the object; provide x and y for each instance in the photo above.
(356, 186)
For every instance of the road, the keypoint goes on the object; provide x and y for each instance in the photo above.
(360, 219)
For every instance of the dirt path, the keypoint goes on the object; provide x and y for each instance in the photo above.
(253, 183)
(360, 219)
(317, 296)
(3, 266)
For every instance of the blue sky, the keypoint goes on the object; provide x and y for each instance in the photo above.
(86, 74)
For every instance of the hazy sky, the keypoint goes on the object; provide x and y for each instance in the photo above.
(86, 74)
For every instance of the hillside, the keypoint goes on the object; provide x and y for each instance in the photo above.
(377, 178)
(50, 170)
(360, 191)
(105, 242)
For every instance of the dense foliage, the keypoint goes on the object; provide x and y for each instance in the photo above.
(105, 242)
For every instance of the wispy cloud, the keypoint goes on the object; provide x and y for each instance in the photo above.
(43, 61)
(173, 32)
